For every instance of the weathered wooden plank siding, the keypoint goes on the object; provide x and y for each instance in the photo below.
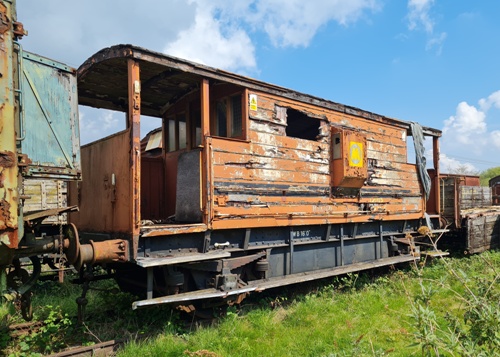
(270, 163)
(276, 176)
(44, 195)
(327, 210)
(474, 196)
(483, 231)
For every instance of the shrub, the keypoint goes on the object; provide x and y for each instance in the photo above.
(474, 328)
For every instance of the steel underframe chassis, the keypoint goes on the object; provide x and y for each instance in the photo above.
(294, 254)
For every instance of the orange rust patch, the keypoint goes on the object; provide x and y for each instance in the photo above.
(7, 159)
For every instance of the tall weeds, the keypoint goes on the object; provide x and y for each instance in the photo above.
(471, 325)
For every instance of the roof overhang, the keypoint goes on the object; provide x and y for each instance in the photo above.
(102, 83)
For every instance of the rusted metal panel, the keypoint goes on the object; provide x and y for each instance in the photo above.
(206, 177)
(134, 125)
(495, 192)
(152, 188)
(261, 285)
(494, 183)
(171, 160)
(10, 225)
(349, 162)
(104, 196)
(49, 118)
(472, 181)
(449, 201)
(433, 206)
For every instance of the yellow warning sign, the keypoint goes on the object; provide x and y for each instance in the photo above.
(253, 101)
(355, 154)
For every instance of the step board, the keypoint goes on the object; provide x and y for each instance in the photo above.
(178, 259)
(261, 285)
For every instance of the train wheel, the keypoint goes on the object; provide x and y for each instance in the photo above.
(26, 307)
(21, 279)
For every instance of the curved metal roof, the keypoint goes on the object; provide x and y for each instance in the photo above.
(102, 83)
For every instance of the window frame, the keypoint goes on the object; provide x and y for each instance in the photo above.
(227, 94)
(176, 135)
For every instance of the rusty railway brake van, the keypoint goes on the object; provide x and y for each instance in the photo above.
(252, 186)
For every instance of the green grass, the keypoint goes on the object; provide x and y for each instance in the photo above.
(407, 312)
(350, 316)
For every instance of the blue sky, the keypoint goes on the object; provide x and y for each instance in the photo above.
(431, 61)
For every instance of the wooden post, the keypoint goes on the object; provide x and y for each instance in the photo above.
(133, 123)
(435, 159)
(205, 157)
(205, 111)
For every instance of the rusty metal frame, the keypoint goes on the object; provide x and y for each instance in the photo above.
(437, 186)
(11, 225)
(261, 285)
(133, 122)
(206, 201)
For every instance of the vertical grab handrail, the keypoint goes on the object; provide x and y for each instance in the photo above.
(19, 91)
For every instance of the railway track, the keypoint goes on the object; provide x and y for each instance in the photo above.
(107, 348)
(101, 349)
(17, 330)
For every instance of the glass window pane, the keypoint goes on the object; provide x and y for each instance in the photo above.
(181, 119)
(171, 135)
(221, 122)
(197, 123)
(237, 116)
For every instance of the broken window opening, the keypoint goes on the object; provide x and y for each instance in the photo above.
(410, 150)
(301, 126)
(196, 120)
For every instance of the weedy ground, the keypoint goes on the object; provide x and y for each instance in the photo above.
(448, 308)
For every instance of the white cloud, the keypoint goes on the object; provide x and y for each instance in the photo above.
(99, 123)
(295, 22)
(220, 34)
(214, 43)
(466, 134)
(436, 42)
(495, 138)
(418, 15)
(450, 165)
(72, 31)
(492, 100)
(419, 18)
(467, 121)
